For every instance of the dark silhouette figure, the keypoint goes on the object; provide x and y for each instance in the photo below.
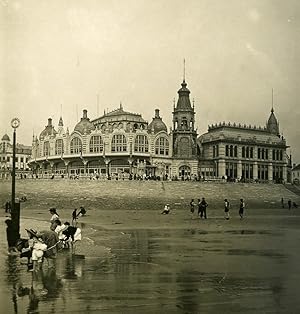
(282, 202)
(203, 204)
(242, 208)
(289, 204)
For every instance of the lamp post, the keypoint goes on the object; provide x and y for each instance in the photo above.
(15, 208)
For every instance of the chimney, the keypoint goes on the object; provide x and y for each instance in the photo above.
(49, 122)
(156, 113)
(84, 114)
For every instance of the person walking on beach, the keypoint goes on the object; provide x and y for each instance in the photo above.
(226, 205)
(242, 208)
(54, 218)
(290, 204)
(192, 207)
(203, 204)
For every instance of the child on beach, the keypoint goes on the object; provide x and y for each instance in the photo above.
(38, 248)
(242, 208)
(226, 205)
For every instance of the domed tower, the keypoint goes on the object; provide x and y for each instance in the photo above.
(184, 133)
(48, 131)
(157, 124)
(84, 125)
(5, 142)
(273, 124)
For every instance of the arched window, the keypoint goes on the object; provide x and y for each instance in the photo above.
(162, 146)
(96, 144)
(235, 151)
(118, 143)
(251, 152)
(75, 146)
(243, 151)
(226, 150)
(141, 144)
(231, 151)
(59, 147)
(46, 148)
(247, 152)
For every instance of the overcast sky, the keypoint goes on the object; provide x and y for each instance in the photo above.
(56, 56)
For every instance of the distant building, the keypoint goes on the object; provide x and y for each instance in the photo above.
(245, 152)
(23, 154)
(296, 174)
(121, 144)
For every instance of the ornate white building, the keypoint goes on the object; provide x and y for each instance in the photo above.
(120, 144)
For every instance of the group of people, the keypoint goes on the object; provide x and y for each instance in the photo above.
(289, 203)
(46, 243)
(202, 205)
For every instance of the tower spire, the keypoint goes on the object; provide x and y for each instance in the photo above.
(272, 110)
(184, 70)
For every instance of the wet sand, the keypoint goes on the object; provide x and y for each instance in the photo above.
(134, 260)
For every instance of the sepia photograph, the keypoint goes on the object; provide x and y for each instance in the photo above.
(149, 156)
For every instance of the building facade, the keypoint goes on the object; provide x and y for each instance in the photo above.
(121, 144)
(296, 174)
(23, 154)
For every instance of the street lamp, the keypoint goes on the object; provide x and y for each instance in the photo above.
(15, 209)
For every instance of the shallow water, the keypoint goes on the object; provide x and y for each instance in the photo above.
(155, 271)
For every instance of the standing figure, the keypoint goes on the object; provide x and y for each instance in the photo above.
(226, 206)
(282, 202)
(166, 210)
(203, 204)
(51, 239)
(11, 235)
(290, 204)
(192, 205)
(54, 218)
(242, 207)
(74, 217)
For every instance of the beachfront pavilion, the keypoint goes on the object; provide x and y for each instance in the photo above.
(120, 143)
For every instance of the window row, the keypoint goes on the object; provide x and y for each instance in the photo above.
(17, 159)
(118, 144)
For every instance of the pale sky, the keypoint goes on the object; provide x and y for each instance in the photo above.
(62, 53)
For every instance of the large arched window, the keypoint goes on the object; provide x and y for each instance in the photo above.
(141, 144)
(46, 148)
(75, 146)
(59, 147)
(118, 143)
(96, 144)
(162, 146)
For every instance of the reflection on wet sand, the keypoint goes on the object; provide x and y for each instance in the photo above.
(172, 271)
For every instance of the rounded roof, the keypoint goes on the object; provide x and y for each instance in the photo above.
(84, 125)
(49, 129)
(5, 138)
(157, 124)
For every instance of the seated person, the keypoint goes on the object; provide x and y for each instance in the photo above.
(166, 210)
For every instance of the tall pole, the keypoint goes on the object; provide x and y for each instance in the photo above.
(13, 185)
(15, 207)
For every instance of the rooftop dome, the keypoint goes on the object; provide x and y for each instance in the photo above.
(157, 124)
(49, 129)
(84, 125)
(5, 138)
